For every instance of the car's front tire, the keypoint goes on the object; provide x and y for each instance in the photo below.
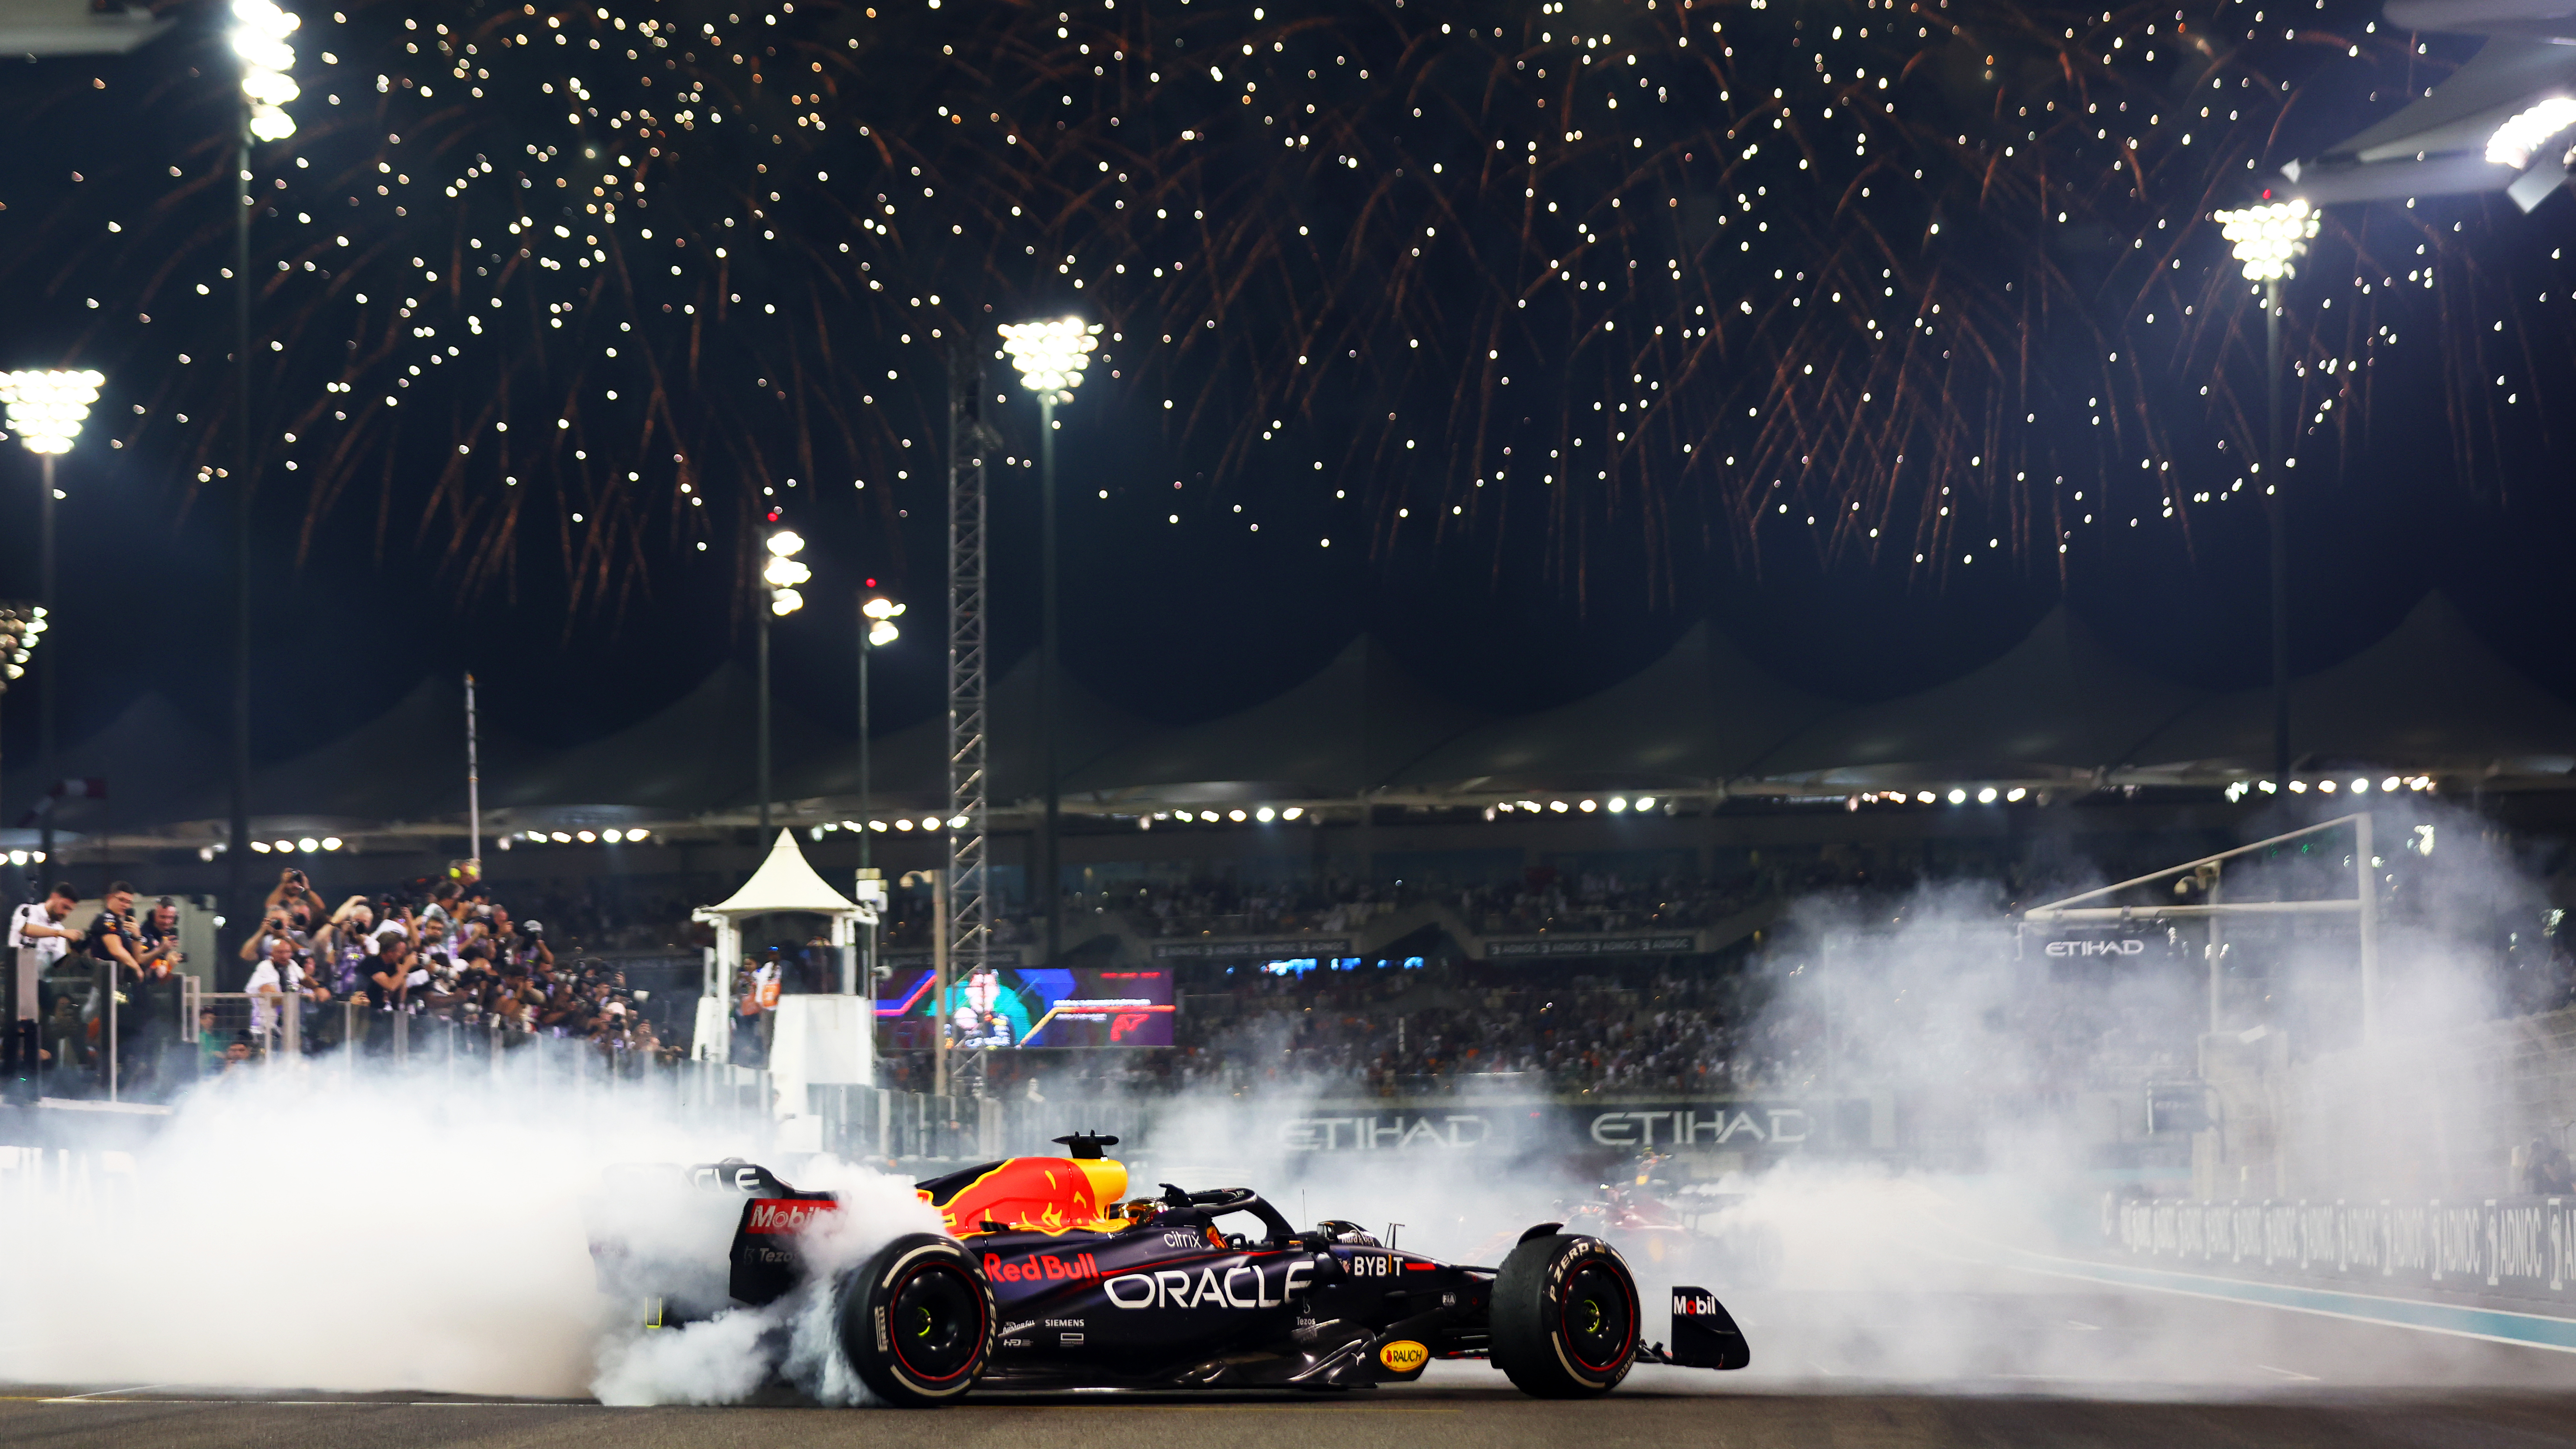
(1565, 1317)
(916, 1321)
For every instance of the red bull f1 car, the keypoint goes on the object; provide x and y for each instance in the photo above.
(1052, 1276)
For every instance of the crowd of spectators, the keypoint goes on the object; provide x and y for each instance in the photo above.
(446, 962)
(1458, 1026)
(447, 967)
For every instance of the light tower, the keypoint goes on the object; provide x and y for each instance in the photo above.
(2269, 239)
(1051, 357)
(46, 409)
(259, 38)
(782, 573)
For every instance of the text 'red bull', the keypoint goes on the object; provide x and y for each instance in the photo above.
(1046, 1267)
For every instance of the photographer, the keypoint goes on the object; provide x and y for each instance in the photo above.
(388, 988)
(525, 942)
(38, 938)
(342, 951)
(295, 896)
(277, 977)
(292, 911)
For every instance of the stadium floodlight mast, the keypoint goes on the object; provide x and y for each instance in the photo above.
(1050, 356)
(2269, 238)
(259, 37)
(22, 628)
(260, 32)
(782, 573)
(45, 408)
(877, 614)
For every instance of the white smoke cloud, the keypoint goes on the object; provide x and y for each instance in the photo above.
(303, 1231)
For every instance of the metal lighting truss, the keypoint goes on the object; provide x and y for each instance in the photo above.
(969, 923)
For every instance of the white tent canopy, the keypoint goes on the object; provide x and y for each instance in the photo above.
(784, 882)
(815, 1040)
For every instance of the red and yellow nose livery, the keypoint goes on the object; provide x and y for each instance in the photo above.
(1030, 1194)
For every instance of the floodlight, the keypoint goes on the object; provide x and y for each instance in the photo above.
(1051, 355)
(2270, 236)
(881, 633)
(259, 38)
(47, 408)
(22, 628)
(783, 573)
(2521, 137)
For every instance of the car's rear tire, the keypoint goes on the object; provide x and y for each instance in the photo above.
(1565, 1317)
(916, 1321)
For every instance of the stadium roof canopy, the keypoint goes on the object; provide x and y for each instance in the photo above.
(2058, 704)
(1703, 713)
(1353, 725)
(2430, 697)
(2058, 710)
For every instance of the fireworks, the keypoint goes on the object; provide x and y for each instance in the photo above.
(1922, 282)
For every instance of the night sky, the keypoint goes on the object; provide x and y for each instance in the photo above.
(567, 499)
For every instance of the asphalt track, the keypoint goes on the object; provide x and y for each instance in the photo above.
(2036, 1361)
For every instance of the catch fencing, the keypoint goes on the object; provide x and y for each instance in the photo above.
(2516, 1248)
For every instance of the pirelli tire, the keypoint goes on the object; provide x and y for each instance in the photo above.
(916, 1321)
(1565, 1317)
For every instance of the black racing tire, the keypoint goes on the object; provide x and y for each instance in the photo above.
(916, 1321)
(1565, 1317)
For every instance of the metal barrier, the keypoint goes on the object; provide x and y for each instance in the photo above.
(2503, 1247)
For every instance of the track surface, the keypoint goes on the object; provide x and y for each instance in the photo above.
(2032, 1363)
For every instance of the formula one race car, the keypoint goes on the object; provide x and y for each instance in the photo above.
(1686, 1231)
(1050, 1277)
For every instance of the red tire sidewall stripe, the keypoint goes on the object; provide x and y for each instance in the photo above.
(982, 1326)
(1565, 1335)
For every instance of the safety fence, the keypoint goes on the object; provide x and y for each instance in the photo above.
(2519, 1248)
(120, 1056)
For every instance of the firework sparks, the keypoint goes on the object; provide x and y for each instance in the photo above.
(1925, 283)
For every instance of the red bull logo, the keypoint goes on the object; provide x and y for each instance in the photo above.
(1044, 1268)
(784, 1216)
